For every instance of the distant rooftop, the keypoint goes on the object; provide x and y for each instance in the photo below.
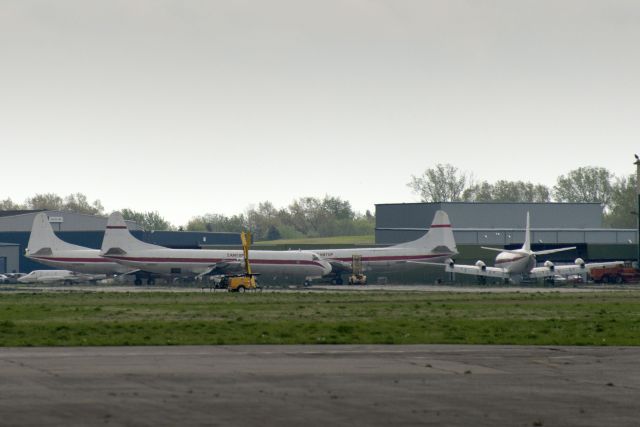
(20, 212)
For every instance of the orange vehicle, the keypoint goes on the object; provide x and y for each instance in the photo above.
(622, 273)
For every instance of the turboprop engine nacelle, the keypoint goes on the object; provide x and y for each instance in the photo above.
(481, 265)
(579, 262)
(549, 265)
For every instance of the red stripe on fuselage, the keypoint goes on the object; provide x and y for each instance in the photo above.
(441, 226)
(116, 227)
(394, 258)
(216, 260)
(60, 259)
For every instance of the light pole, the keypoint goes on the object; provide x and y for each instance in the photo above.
(637, 163)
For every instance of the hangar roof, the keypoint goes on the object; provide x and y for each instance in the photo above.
(60, 220)
(491, 215)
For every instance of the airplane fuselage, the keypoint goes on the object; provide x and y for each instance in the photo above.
(384, 259)
(519, 261)
(188, 262)
(81, 261)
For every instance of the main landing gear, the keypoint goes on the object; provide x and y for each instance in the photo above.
(337, 280)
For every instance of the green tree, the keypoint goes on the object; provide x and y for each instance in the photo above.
(147, 220)
(583, 185)
(9, 205)
(48, 201)
(443, 183)
(623, 202)
(507, 191)
(217, 223)
(78, 203)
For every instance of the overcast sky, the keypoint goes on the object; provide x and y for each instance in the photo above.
(193, 107)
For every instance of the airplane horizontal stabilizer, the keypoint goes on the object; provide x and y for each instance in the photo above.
(514, 251)
(553, 251)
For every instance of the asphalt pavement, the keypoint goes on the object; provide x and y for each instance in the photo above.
(321, 385)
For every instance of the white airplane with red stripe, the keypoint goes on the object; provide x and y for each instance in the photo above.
(120, 246)
(437, 245)
(515, 265)
(48, 249)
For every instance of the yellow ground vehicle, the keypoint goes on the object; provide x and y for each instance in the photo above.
(245, 281)
(357, 277)
(239, 282)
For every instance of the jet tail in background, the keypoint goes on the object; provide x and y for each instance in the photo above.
(439, 238)
(118, 240)
(43, 241)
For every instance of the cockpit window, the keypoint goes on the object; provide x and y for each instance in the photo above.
(315, 257)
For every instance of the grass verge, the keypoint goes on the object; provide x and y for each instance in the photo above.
(73, 319)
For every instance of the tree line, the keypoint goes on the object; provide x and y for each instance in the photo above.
(304, 217)
(332, 216)
(617, 195)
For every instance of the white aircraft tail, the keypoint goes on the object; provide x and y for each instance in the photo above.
(527, 243)
(118, 240)
(439, 238)
(527, 236)
(43, 240)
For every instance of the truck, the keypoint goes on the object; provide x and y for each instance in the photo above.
(357, 275)
(238, 282)
(622, 273)
(245, 281)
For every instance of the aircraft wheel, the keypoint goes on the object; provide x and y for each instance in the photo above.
(619, 280)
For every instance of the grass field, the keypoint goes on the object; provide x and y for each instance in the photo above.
(318, 318)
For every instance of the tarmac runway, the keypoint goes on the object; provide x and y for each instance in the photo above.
(321, 385)
(458, 288)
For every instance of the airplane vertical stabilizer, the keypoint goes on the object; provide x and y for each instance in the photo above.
(43, 239)
(527, 236)
(118, 239)
(439, 238)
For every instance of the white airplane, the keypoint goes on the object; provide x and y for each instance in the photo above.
(119, 245)
(518, 264)
(47, 248)
(437, 245)
(52, 276)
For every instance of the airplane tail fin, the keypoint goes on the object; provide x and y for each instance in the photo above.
(43, 241)
(118, 240)
(439, 238)
(527, 236)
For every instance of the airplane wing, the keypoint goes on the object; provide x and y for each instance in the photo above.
(222, 267)
(546, 271)
(477, 270)
(339, 266)
(577, 268)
